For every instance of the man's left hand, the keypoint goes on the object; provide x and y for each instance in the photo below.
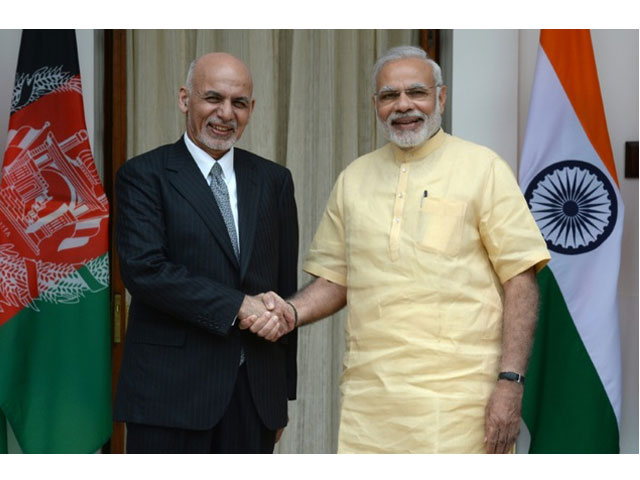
(280, 430)
(502, 416)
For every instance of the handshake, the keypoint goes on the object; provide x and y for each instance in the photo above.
(267, 315)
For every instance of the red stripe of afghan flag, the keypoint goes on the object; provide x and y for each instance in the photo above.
(572, 400)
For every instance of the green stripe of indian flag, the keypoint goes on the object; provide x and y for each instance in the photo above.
(3, 434)
(587, 282)
(565, 423)
(55, 375)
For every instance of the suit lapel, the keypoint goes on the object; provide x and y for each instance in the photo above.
(249, 192)
(185, 177)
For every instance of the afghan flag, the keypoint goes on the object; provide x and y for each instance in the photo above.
(572, 399)
(55, 387)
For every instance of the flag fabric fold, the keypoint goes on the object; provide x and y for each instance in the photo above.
(55, 380)
(572, 400)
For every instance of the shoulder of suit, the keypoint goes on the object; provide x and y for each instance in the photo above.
(241, 155)
(157, 157)
(154, 155)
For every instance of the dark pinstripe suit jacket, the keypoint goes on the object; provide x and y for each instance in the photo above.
(181, 351)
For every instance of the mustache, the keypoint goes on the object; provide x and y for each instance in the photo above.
(215, 120)
(406, 116)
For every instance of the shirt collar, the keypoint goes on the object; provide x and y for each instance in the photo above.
(205, 162)
(421, 151)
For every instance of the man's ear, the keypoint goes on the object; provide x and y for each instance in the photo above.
(442, 98)
(183, 99)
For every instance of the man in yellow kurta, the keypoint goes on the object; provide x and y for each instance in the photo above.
(431, 245)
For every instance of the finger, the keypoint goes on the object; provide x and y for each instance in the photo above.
(511, 440)
(279, 331)
(274, 335)
(268, 328)
(509, 444)
(270, 331)
(247, 322)
(492, 440)
(260, 322)
(492, 446)
(268, 300)
(257, 325)
(503, 444)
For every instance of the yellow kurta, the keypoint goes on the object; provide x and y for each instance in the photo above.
(423, 240)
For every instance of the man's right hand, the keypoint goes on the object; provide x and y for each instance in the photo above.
(266, 315)
(276, 304)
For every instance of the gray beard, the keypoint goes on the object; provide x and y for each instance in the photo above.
(215, 144)
(407, 139)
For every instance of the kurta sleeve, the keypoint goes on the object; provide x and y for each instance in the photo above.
(507, 228)
(327, 255)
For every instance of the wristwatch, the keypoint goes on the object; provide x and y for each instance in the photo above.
(512, 377)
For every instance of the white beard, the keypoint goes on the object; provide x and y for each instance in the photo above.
(408, 139)
(215, 143)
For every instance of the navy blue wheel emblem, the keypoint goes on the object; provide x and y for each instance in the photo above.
(574, 205)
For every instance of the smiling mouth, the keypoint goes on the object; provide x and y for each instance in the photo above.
(407, 123)
(220, 130)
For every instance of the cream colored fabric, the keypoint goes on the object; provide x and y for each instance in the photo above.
(423, 241)
(314, 115)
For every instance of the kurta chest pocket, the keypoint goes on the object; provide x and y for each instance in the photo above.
(440, 225)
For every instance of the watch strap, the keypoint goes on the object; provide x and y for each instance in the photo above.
(512, 377)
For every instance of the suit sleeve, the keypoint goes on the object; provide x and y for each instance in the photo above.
(288, 277)
(147, 270)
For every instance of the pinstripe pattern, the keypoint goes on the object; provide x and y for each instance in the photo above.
(181, 352)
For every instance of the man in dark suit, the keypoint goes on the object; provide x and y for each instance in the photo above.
(203, 228)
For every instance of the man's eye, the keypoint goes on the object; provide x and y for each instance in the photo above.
(388, 96)
(417, 93)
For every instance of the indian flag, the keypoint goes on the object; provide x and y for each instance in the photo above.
(572, 399)
(55, 377)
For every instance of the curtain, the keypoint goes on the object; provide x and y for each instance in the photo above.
(314, 115)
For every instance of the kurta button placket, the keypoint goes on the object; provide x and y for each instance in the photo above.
(398, 208)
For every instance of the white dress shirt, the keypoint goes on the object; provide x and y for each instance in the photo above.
(205, 162)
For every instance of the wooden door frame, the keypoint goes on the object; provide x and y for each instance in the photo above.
(430, 43)
(115, 154)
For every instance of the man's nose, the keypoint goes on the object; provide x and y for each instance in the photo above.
(404, 103)
(225, 110)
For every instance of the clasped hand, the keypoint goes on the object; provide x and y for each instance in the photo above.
(267, 315)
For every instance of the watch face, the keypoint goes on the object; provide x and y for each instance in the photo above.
(574, 205)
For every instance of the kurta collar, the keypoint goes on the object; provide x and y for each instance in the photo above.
(421, 151)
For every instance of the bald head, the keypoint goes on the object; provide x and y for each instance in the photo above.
(217, 100)
(217, 60)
